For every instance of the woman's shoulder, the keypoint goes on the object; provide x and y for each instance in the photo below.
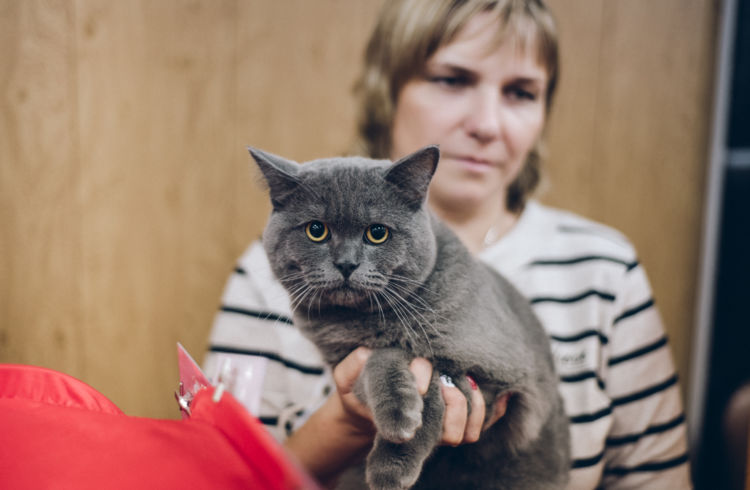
(254, 262)
(253, 277)
(561, 231)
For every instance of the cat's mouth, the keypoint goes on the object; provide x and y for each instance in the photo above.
(349, 294)
(346, 293)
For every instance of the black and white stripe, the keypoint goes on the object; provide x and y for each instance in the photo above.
(262, 315)
(273, 356)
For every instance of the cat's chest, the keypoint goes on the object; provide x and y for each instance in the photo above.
(337, 337)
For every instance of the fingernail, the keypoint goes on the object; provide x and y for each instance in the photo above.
(472, 382)
(446, 380)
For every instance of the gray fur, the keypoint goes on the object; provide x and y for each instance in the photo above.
(420, 293)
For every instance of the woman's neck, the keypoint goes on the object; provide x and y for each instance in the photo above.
(480, 226)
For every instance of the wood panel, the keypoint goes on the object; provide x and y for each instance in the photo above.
(639, 163)
(156, 109)
(40, 294)
(126, 193)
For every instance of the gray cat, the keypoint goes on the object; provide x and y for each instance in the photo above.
(366, 264)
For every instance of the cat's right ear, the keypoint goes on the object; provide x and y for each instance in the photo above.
(412, 174)
(279, 173)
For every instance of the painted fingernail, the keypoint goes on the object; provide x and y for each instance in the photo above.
(446, 380)
(472, 382)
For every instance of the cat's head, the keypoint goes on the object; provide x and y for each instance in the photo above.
(349, 232)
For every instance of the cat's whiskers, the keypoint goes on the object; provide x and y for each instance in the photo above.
(307, 297)
(412, 297)
(405, 314)
(320, 300)
(374, 296)
(410, 287)
(418, 306)
(409, 281)
(297, 294)
(316, 292)
(297, 288)
(396, 283)
(396, 309)
(418, 317)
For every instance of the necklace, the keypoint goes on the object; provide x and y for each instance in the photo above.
(499, 228)
(493, 234)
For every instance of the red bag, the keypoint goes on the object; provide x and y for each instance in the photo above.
(56, 432)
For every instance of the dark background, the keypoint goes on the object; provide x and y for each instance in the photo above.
(729, 362)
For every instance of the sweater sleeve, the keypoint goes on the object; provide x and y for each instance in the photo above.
(647, 445)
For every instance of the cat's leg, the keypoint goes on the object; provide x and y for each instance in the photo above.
(390, 390)
(392, 465)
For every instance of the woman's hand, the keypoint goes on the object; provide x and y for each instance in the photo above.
(459, 426)
(341, 431)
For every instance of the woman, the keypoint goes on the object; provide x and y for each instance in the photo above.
(478, 77)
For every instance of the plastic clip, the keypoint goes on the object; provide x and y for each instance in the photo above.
(183, 399)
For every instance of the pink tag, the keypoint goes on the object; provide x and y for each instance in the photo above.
(192, 380)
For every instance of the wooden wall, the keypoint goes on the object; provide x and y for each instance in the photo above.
(126, 192)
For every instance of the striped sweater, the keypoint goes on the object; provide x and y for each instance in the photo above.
(584, 282)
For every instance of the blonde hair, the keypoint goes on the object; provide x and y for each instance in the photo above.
(409, 32)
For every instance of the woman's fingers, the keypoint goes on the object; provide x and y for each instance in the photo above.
(456, 413)
(461, 426)
(498, 410)
(348, 370)
(345, 374)
(422, 371)
(476, 417)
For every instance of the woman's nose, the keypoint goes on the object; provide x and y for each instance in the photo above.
(484, 121)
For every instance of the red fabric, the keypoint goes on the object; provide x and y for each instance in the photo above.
(56, 432)
(52, 388)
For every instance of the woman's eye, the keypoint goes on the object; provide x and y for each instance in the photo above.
(377, 234)
(317, 231)
(450, 81)
(517, 93)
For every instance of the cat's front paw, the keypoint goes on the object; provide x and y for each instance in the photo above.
(387, 479)
(392, 467)
(399, 422)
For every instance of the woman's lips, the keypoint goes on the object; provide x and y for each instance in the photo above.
(472, 162)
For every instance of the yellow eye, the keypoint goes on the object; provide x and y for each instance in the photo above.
(317, 231)
(377, 234)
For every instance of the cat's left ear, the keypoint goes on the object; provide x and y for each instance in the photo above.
(280, 174)
(413, 173)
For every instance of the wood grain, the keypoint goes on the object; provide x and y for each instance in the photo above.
(126, 193)
(637, 93)
(41, 309)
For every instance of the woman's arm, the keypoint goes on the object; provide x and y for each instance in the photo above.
(340, 432)
(647, 444)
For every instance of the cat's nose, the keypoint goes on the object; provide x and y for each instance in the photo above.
(346, 268)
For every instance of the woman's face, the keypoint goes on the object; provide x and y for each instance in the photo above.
(484, 106)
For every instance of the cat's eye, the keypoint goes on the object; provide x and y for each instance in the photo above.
(317, 231)
(377, 234)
